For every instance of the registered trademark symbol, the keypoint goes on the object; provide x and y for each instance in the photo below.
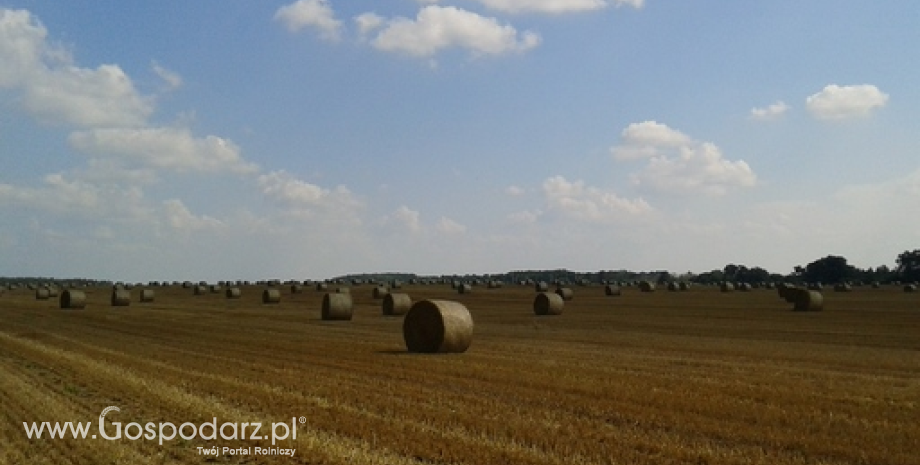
(303, 420)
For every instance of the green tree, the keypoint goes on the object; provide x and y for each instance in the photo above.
(909, 266)
(829, 270)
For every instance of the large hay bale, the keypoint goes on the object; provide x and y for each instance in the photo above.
(53, 291)
(215, 288)
(807, 301)
(464, 289)
(727, 287)
(786, 292)
(73, 299)
(343, 290)
(548, 303)
(647, 286)
(438, 326)
(121, 298)
(337, 307)
(147, 295)
(233, 293)
(42, 293)
(396, 304)
(380, 292)
(271, 296)
(566, 293)
(612, 290)
(911, 288)
(541, 286)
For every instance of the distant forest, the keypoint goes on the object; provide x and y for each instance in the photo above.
(828, 270)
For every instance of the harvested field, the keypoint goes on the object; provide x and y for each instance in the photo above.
(698, 377)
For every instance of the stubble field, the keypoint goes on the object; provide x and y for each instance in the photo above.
(695, 377)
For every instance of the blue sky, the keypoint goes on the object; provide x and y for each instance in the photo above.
(246, 140)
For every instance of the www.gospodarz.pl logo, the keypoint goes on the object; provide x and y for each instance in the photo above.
(168, 431)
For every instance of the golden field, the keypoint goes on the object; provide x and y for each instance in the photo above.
(698, 377)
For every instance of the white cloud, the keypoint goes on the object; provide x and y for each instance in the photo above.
(55, 90)
(841, 102)
(310, 13)
(550, 6)
(515, 191)
(646, 139)
(525, 217)
(437, 28)
(770, 112)
(368, 22)
(304, 199)
(449, 226)
(408, 219)
(170, 78)
(173, 149)
(576, 200)
(697, 169)
(179, 217)
(678, 163)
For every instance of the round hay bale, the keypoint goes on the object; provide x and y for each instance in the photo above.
(815, 287)
(438, 326)
(807, 300)
(296, 289)
(464, 289)
(343, 290)
(541, 286)
(233, 293)
(910, 288)
(271, 296)
(745, 287)
(612, 290)
(683, 286)
(842, 287)
(548, 303)
(322, 287)
(337, 307)
(73, 299)
(566, 293)
(647, 286)
(215, 288)
(672, 286)
(147, 295)
(53, 291)
(396, 304)
(121, 298)
(876, 285)
(200, 290)
(727, 287)
(42, 293)
(380, 292)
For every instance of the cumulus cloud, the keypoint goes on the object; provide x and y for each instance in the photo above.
(515, 191)
(54, 89)
(317, 14)
(408, 219)
(678, 163)
(369, 22)
(436, 28)
(305, 199)
(448, 226)
(770, 112)
(575, 199)
(548, 6)
(174, 149)
(179, 217)
(841, 102)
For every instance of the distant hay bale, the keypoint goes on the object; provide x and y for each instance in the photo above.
(147, 295)
(53, 291)
(683, 286)
(727, 287)
(73, 299)
(321, 287)
(343, 290)
(396, 304)
(121, 298)
(494, 284)
(42, 293)
(337, 307)
(910, 288)
(201, 290)
(745, 287)
(464, 289)
(807, 300)
(566, 293)
(233, 293)
(215, 288)
(612, 290)
(541, 286)
(876, 285)
(842, 287)
(271, 296)
(646, 286)
(438, 326)
(296, 289)
(815, 286)
(786, 291)
(380, 292)
(548, 303)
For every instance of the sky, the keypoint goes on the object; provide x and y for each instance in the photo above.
(307, 139)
